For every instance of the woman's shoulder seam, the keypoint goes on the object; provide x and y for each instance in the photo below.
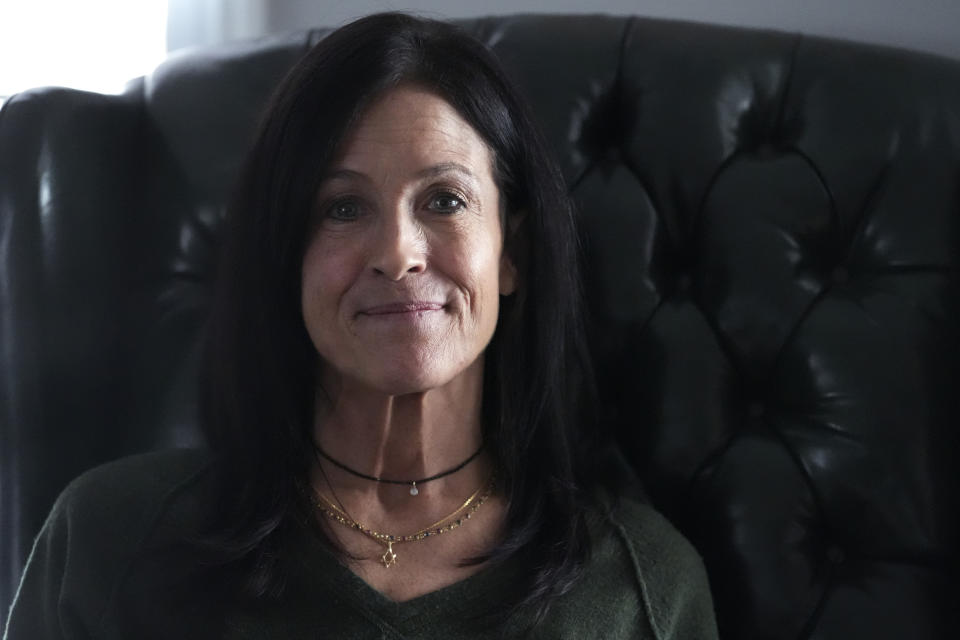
(628, 545)
(191, 465)
(648, 537)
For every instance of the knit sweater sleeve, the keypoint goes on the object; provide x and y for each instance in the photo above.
(92, 532)
(670, 575)
(36, 612)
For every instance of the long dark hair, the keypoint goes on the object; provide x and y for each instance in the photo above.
(259, 372)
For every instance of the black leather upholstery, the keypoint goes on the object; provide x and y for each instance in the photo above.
(772, 232)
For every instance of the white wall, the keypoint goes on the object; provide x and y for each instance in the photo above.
(192, 23)
(928, 25)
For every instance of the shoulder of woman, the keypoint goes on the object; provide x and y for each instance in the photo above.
(666, 569)
(645, 532)
(111, 509)
(119, 499)
(97, 525)
(114, 509)
(135, 481)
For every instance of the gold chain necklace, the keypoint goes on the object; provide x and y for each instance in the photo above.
(441, 526)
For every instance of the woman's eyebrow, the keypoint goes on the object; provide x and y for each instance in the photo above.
(428, 172)
(432, 171)
(344, 174)
(436, 170)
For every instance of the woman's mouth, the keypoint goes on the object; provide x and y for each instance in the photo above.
(402, 307)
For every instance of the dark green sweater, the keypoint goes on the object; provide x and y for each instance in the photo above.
(94, 573)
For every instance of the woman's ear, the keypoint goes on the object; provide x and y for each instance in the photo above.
(508, 275)
(508, 270)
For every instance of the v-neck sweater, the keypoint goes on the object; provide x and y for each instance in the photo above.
(94, 569)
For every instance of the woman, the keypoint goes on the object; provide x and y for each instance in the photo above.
(392, 390)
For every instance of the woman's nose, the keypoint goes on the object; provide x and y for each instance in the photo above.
(399, 247)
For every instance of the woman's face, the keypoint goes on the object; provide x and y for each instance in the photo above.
(402, 275)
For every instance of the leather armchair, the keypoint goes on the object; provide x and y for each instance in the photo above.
(771, 225)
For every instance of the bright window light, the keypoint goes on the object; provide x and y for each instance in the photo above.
(95, 45)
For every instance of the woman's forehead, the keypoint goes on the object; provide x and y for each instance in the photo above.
(418, 128)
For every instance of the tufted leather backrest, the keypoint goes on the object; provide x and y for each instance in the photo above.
(771, 227)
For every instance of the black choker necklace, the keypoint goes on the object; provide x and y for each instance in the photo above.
(413, 483)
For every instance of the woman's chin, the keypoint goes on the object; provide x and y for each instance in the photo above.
(397, 374)
(401, 382)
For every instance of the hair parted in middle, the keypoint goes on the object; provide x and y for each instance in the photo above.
(260, 367)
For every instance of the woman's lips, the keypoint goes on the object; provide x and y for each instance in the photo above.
(402, 307)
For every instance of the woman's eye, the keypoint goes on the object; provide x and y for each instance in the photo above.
(344, 211)
(446, 203)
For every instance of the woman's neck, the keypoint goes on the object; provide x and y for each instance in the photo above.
(407, 437)
(400, 437)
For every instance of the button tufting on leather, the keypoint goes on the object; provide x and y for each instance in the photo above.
(840, 275)
(766, 151)
(835, 554)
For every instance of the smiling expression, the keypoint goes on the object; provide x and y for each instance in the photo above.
(404, 268)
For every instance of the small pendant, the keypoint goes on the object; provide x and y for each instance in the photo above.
(413, 489)
(389, 558)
